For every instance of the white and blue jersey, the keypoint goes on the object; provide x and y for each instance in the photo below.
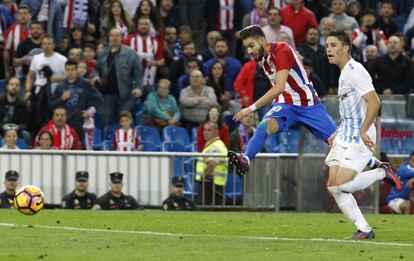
(354, 82)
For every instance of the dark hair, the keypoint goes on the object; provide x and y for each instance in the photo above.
(123, 15)
(36, 22)
(220, 117)
(223, 40)
(22, 7)
(342, 37)
(369, 12)
(125, 114)
(89, 45)
(50, 136)
(185, 28)
(48, 36)
(191, 59)
(411, 154)
(313, 27)
(153, 15)
(273, 8)
(71, 62)
(307, 62)
(187, 43)
(386, 2)
(59, 108)
(253, 31)
(218, 87)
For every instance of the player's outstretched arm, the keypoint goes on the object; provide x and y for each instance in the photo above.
(373, 107)
(275, 91)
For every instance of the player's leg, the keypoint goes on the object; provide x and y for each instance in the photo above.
(399, 205)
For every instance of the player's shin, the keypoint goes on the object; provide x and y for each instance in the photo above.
(256, 143)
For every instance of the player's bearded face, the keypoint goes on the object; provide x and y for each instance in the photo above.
(254, 48)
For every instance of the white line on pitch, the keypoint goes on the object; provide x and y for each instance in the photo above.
(330, 240)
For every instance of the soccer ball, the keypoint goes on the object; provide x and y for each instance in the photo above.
(29, 200)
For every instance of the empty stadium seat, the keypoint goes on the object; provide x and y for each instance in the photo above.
(97, 142)
(138, 118)
(173, 146)
(109, 131)
(194, 134)
(177, 134)
(148, 146)
(3, 86)
(107, 145)
(21, 143)
(288, 148)
(151, 135)
(272, 144)
(190, 185)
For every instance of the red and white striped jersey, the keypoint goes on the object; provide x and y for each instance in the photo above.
(14, 36)
(126, 140)
(225, 15)
(147, 48)
(299, 90)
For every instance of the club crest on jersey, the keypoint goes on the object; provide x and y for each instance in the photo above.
(277, 108)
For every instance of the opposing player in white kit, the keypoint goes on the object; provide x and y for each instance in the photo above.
(354, 140)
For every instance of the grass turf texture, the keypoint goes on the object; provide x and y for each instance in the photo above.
(199, 240)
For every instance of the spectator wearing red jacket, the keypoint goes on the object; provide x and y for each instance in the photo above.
(213, 115)
(64, 137)
(299, 19)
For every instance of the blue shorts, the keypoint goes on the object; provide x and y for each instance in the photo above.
(314, 118)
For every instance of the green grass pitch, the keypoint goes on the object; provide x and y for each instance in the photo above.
(156, 235)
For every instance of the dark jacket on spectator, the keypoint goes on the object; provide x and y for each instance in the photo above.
(394, 74)
(128, 70)
(83, 96)
(20, 115)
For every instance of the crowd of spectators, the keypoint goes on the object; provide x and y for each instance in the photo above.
(70, 67)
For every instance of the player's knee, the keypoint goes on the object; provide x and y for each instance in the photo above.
(269, 125)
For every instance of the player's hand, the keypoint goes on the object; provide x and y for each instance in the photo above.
(332, 138)
(367, 141)
(241, 114)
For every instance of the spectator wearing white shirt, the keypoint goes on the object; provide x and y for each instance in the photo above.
(274, 29)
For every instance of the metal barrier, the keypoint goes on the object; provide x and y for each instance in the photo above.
(276, 181)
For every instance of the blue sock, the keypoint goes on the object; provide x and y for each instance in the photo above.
(256, 143)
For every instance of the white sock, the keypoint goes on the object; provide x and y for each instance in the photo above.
(363, 180)
(247, 158)
(346, 202)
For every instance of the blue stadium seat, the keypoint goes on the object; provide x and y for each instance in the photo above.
(109, 131)
(177, 134)
(21, 143)
(404, 150)
(387, 146)
(148, 146)
(234, 187)
(193, 147)
(138, 118)
(98, 120)
(3, 86)
(288, 148)
(272, 144)
(228, 119)
(190, 185)
(97, 142)
(149, 134)
(107, 145)
(173, 146)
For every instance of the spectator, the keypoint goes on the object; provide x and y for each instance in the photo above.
(83, 70)
(28, 48)
(49, 14)
(10, 183)
(176, 200)
(160, 108)
(80, 198)
(147, 9)
(400, 81)
(299, 18)
(148, 48)
(232, 66)
(130, 6)
(193, 14)
(273, 29)
(191, 64)
(89, 57)
(77, 96)
(63, 47)
(211, 172)
(371, 53)
(55, 61)
(356, 52)
(403, 41)
(178, 67)
(354, 9)
(195, 100)
(340, 18)
(75, 54)
(208, 51)
(251, 84)
(115, 199)
(10, 137)
(240, 136)
(116, 18)
(76, 38)
(45, 141)
(172, 48)
(215, 116)
(325, 28)
(64, 137)
(169, 13)
(316, 52)
(313, 77)
(126, 138)
(216, 81)
(14, 110)
(385, 22)
(118, 75)
(258, 15)
(16, 33)
(78, 14)
(184, 35)
(367, 34)
(399, 201)
(8, 12)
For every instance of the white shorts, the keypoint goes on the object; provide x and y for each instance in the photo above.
(353, 156)
(396, 203)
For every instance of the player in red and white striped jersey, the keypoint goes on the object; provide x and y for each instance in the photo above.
(148, 48)
(294, 100)
(16, 33)
(126, 138)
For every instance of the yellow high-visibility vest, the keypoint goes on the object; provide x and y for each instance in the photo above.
(220, 170)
